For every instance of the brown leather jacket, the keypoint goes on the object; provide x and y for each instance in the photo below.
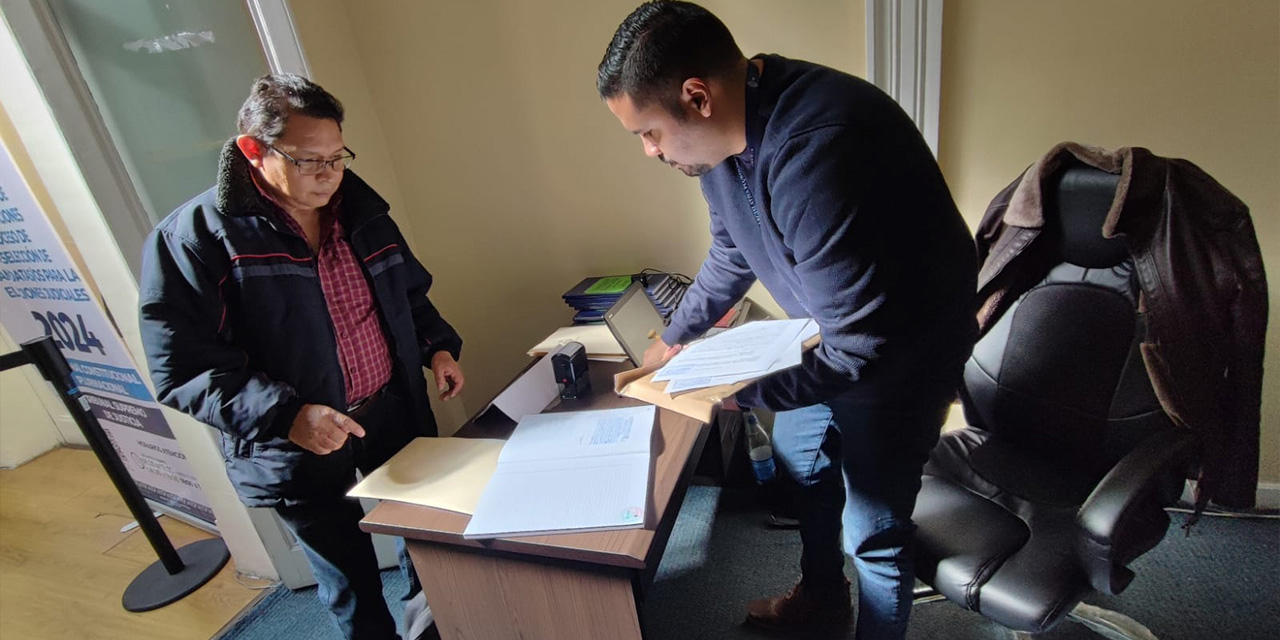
(1204, 294)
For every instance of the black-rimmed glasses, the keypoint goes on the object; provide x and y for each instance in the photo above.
(310, 167)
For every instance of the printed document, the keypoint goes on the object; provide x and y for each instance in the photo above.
(571, 471)
(789, 357)
(753, 350)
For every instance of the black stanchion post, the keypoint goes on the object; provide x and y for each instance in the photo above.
(178, 572)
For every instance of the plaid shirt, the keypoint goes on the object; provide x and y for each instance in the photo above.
(362, 345)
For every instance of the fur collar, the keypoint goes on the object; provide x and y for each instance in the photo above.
(1026, 205)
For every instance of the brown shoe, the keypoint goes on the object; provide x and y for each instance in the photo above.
(804, 607)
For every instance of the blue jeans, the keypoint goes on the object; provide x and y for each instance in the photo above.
(860, 465)
(341, 556)
(345, 567)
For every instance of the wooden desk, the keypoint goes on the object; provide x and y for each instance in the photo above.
(586, 586)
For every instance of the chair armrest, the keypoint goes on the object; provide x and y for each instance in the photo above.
(1124, 516)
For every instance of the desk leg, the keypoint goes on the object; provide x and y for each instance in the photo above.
(479, 596)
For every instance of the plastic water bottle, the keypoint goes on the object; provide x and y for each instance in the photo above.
(759, 449)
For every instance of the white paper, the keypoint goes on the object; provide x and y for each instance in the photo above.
(737, 355)
(751, 347)
(543, 498)
(580, 434)
(595, 338)
(530, 393)
(791, 356)
(582, 470)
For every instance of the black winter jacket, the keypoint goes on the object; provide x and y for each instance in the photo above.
(238, 334)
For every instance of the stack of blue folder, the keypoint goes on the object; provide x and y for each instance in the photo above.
(593, 296)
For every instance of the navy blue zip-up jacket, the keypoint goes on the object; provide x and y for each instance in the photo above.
(838, 207)
(238, 334)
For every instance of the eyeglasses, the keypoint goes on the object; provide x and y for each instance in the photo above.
(310, 167)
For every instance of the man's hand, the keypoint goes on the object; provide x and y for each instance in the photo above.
(659, 352)
(729, 404)
(322, 430)
(448, 374)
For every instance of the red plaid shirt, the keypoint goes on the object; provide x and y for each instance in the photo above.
(362, 346)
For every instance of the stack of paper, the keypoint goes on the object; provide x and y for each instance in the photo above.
(595, 338)
(572, 471)
(753, 350)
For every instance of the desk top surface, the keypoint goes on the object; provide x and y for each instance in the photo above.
(677, 441)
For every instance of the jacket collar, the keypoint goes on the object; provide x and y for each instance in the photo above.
(237, 196)
(755, 117)
(1026, 205)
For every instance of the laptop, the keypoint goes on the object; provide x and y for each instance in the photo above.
(635, 322)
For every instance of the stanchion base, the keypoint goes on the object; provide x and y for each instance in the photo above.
(155, 587)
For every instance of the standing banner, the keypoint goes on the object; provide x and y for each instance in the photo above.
(42, 293)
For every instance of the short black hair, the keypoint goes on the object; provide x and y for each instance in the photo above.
(659, 46)
(275, 96)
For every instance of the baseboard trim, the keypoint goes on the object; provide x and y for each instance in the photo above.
(1268, 496)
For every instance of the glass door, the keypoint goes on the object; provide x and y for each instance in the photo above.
(168, 77)
(164, 79)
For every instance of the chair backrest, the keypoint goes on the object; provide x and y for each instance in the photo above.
(1060, 374)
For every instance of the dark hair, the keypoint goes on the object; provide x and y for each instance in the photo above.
(275, 96)
(659, 46)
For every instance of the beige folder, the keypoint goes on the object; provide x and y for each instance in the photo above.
(445, 473)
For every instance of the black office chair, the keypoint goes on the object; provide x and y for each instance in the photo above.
(1062, 478)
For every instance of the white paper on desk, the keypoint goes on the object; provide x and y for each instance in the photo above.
(445, 473)
(530, 393)
(750, 348)
(571, 471)
(595, 338)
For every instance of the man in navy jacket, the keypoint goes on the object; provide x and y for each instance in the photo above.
(821, 188)
(284, 308)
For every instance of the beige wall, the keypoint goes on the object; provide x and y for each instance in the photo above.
(516, 179)
(341, 70)
(1185, 78)
(26, 428)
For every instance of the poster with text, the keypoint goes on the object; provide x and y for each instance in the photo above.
(42, 293)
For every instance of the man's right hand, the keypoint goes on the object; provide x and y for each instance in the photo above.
(659, 351)
(322, 430)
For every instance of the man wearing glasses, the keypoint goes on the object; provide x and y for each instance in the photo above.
(284, 308)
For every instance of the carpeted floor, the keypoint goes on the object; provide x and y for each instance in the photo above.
(1222, 582)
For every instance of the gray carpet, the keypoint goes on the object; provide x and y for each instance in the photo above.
(1222, 582)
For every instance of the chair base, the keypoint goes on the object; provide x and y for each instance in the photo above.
(1109, 624)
